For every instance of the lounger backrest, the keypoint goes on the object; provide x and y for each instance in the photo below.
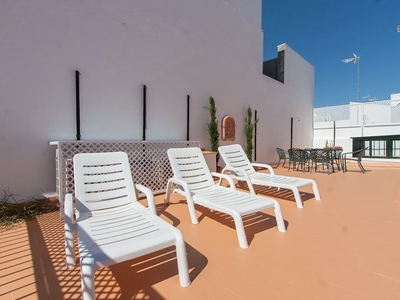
(102, 181)
(235, 157)
(189, 165)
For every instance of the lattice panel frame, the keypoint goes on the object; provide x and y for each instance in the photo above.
(148, 160)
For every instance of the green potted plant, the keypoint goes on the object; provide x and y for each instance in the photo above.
(249, 131)
(212, 127)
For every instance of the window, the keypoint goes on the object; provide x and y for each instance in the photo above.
(379, 146)
(396, 148)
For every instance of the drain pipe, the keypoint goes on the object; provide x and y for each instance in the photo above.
(77, 101)
(187, 117)
(255, 135)
(144, 112)
(334, 133)
(291, 133)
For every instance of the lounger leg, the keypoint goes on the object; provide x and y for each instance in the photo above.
(69, 248)
(297, 197)
(241, 234)
(316, 191)
(279, 218)
(167, 193)
(69, 231)
(87, 279)
(182, 260)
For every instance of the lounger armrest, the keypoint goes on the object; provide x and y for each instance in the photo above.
(149, 195)
(227, 177)
(188, 195)
(181, 183)
(240, 174)
(265, 166)
(236, 171)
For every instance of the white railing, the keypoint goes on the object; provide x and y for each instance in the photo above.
(377, 112)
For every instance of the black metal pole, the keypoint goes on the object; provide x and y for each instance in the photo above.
(255, 135)
(144, 112)
(291, 133)
(78, 113)
(187, 118)
(334, 133)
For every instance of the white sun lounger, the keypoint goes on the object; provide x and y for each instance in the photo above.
(240, 168)
(194, 181)
(111, 225)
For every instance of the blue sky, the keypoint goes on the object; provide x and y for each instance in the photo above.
(324, 32)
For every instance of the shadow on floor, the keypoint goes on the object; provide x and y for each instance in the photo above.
(131, 279)
(273, 192)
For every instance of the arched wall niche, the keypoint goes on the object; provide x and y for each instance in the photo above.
(228, 128)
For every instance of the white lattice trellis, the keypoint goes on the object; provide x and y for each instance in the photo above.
(377, 112)
(149, 161)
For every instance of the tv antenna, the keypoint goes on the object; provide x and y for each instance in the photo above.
(370, 98)
(355, 59)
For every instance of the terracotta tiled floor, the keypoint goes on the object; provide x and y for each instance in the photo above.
(346, 246)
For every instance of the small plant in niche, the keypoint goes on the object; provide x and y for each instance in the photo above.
(212, 127)
(249, 131)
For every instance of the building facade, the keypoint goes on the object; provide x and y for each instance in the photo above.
(176, 49)
(375, 125)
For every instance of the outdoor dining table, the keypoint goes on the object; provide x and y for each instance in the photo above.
(333, 156)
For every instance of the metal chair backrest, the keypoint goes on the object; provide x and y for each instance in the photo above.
(281, 153)
(320, 155)
(297, 155)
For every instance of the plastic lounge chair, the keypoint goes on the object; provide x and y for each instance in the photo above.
(240, 168)
(353, 156)
(111, 225)
(299, 157)
(282, 154)
(193, 179)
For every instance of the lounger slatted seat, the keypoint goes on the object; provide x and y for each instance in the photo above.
(240, 168)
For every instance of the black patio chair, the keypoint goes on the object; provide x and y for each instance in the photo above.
(283, 154)
(298, 156)
(337, 157)
(353, 156)
(323, 157)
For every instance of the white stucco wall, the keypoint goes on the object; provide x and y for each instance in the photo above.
(176, 48)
